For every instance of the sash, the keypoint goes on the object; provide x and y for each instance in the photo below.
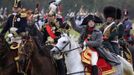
(50, 32)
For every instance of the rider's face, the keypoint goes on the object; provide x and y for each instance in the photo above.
(91, 23)
(109, 19)
(51, 18)
(16, 9)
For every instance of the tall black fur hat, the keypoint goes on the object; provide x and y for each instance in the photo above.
(113, 12)
(119, 14)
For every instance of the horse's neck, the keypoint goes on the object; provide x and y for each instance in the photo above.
(73, 60)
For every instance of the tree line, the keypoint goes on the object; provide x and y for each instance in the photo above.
(74, 5)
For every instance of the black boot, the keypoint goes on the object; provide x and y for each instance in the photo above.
(95, 70)
(61, 67)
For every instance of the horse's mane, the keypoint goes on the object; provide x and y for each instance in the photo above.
(73, 39)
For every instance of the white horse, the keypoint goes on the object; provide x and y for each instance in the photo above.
(71, 50)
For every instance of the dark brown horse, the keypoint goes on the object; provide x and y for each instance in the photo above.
(7, 63)
(39, 61)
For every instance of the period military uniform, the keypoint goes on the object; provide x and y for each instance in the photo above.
(17, 20)
(16, 24)
(52, 30)
(110, 32)
(127, 25)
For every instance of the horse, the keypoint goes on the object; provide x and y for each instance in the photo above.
(34, 62)
(7, 62)
(71, 51)
(72, 56)
(40, 61)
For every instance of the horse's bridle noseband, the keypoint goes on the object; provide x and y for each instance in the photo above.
(60, 50)
(69, 43)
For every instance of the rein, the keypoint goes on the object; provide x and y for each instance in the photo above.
(78, 72)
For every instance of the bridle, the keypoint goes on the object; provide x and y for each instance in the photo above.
(65, 52)
(16, 61)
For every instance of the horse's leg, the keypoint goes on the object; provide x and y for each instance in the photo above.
(127, 67)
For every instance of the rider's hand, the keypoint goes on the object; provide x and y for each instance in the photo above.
(71, 15)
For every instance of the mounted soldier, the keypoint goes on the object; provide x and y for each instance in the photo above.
(16, 25)
(110, 33)
(52, 30)
(93, 37)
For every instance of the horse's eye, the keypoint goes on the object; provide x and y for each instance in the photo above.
(64, 42)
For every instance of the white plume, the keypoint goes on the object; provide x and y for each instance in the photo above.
(57, 1)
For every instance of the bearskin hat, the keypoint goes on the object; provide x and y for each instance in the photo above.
(113, 12)
(119, 14)
(91, 17)
(17, 3)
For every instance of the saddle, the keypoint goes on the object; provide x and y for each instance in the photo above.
(104, 67)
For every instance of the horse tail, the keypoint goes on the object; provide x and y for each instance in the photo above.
(127, 67)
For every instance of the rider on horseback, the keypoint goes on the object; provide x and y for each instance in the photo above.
(94, 39)
(17, 22)
(16, 25)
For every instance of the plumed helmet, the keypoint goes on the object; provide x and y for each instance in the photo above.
(113, 12)
(17, 3)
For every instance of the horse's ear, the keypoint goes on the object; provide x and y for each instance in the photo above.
(68, 34)
(61, 34)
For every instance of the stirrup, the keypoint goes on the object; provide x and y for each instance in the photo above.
(14, 45)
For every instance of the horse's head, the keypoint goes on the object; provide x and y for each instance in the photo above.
(62, 44)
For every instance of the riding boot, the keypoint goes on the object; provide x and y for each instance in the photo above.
(95, 70)
(61, 67)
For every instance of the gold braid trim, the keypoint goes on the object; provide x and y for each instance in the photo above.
(109, 71)
(85, 57)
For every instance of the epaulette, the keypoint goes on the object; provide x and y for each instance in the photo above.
(22, 15)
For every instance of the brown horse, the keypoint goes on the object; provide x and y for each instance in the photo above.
(41, 61)
(7, 63)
